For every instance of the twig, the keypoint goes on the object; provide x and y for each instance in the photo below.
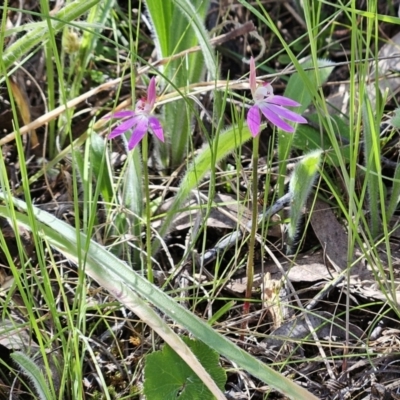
(211, 255)
(44, 119)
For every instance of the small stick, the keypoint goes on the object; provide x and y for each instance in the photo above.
(44, 119)
(211, 255)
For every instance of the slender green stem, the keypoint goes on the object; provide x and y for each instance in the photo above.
(254, 225)
(51, 98)
(145, 143)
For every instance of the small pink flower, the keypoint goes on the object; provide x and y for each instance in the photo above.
(141, 120)
(271, 106)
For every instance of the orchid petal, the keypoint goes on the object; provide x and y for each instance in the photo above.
(156, 127)
(140, 120)
(253, 77)
(120, 114)
(276, 119)
(254, 120)
(282, 101)
(287, 114)
(138, 133)
(151, 92)
(125, 126)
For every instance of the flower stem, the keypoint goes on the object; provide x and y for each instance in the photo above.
(145, 143)
(253, 230)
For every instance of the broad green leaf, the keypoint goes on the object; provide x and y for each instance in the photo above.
(196, 12)
(395, 120)
(302, 87)
(130, 288)
(300, 186)
(98, 154)
(187, 18)
(34, 374)
(307, 138)
(303, 91)
(167, 377)
(130, 221)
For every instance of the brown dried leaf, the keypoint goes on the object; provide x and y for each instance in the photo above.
(21, 98)
(333, 239)
(306, 268)
(330, 234)
(298, 329)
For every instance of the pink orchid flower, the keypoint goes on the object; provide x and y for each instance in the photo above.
(271, 106)
(141, 120)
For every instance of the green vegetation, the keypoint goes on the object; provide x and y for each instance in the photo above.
(158, 239)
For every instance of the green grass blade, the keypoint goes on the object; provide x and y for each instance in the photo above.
(394, 195)
(195, 13)
(316, 75)
(187, 18)
(372, 154)
(227, 142)
(116, 277)
(303, 91)
(38, 35)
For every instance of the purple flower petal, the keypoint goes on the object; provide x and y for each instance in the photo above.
(138, 133)
(254, 120)
(121, 114)
(275, 119)
(125, 126)
(140, 120)
(151, 92)
(282, 101)
(156, 128)
(287, 114)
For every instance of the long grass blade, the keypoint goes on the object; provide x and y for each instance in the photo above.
(116, 277)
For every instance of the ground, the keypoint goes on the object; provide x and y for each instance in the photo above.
(351, 353)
